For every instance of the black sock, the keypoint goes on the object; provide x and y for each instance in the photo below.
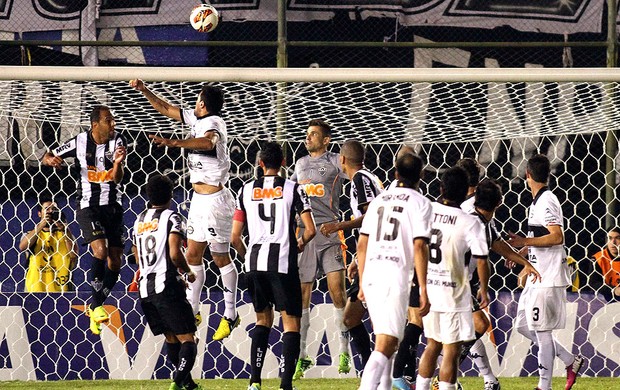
(260, 341)
(291, 342)
(109, 280)
(187, 358)
(97, 273)
(467, 346)
(409, 346)
(173, 353)
(361, 341)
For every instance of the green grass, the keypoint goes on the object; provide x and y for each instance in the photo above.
(303, 384)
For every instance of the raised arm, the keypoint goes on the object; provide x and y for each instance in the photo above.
(159, 104)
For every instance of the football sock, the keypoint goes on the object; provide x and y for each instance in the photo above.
(361, 340)
(423, 383)
(479, 355)
(290, 352)
(386, 375)
(374, 370)
(195, 288)
(343, 338)
(260, 341)
(187, 357)
(405, 361)
(566, 357)
(173, 353)
(109, 280)
(305, 326)
(546, 354)
(97, 273)
(447, 386)
(467, 346)
(229, 282)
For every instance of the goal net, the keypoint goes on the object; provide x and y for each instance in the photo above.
(501, 117)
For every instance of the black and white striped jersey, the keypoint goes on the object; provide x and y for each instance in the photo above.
(365, 186)
(94, 164)
(269, 205)
(150, 236)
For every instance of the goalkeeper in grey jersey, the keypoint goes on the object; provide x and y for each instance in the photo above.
(321, 175)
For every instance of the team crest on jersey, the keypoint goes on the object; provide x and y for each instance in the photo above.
(322, 170)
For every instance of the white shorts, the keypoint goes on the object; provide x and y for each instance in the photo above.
(210, 219)
(449, 327)
(387, 307)
(542, 308)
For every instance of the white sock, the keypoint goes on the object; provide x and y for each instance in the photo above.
(303, 332)
(546, 354)
(422, 383)
(386, 376)
(229, 281)
(371, 378)
(343, 338)
(447, 386)
(479, 354)
(195, 288)
(566, 357)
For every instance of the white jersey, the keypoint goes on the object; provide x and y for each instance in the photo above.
(364, 188)
(208, 166)
(454, 233)
(150, 236)
(393, 221)
(549, 261)
(270, 205)
(468, 204)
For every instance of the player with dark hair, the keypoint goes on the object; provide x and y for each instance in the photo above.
(321, 176)
(365, 187)
(268, 206)
(542, 306)
(487, 198)
(99, 157)
(393, 240)
(450, 322)
(158, 236)
(212, 206)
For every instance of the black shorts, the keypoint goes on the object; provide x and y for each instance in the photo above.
(169, 311)
(354, 289)
(269, 289)
(102, 222)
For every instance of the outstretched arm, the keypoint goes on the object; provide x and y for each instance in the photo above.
(502, 248)
(159, 104)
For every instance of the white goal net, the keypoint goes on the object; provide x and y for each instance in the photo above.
(500, 117)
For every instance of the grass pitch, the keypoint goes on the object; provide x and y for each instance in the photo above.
(303, 384)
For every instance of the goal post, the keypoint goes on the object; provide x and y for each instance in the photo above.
(499, 116)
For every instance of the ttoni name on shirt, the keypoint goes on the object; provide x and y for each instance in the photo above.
(444, 218)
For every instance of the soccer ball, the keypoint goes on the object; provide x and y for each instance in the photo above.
(204, 18)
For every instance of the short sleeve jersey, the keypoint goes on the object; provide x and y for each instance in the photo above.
(454, 233)
(150, 236)
(208, 166)
(364, 188)
(321, 178)
(549, 261)
(270, 205)
(393, 221)
(94, 163)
